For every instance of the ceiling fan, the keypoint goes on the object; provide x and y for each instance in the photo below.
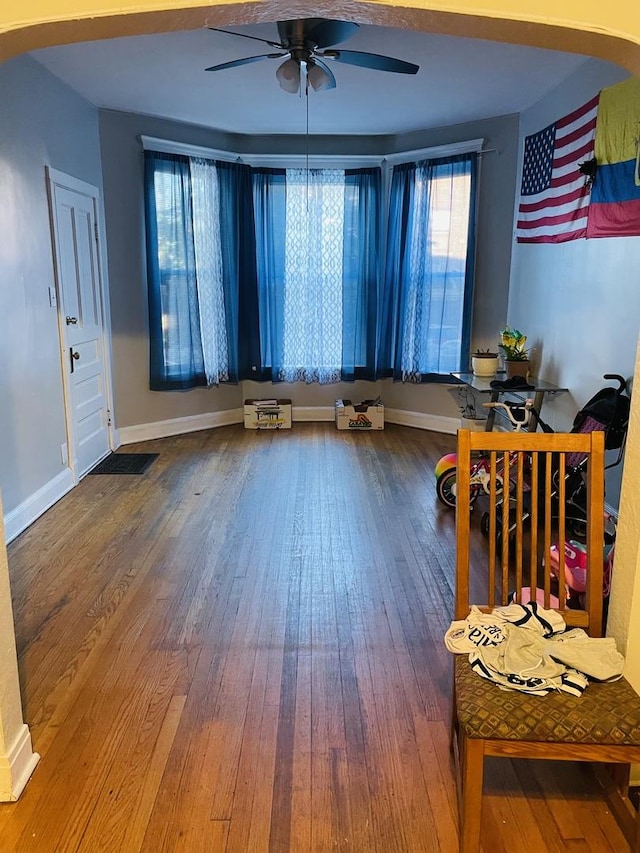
(307, 43)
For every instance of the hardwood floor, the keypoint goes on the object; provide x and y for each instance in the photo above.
(241, 651)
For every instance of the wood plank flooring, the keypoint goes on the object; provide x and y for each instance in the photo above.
(240, 651)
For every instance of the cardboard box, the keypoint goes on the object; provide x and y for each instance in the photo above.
(363, 416)
(267, 414)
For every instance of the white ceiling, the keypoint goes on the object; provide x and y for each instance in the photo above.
(163, 75)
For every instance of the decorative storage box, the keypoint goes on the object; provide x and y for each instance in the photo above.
(267, 414)
(366, 415)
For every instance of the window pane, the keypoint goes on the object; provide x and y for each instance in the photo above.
(435, 290)
(449, 233)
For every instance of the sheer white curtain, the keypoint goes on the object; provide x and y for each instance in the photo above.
(312, 347)
(205, 199)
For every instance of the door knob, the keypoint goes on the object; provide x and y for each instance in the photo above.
(71, 321)
(74, 356)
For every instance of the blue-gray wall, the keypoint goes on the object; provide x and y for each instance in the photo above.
(578, 302)
(42, 123)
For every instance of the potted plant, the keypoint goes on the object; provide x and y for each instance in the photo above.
(516, 355)
(484, 362)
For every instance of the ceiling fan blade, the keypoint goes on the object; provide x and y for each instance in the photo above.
(246, 61)
(246, 36)
(288, 75)
(323, 33)
(372, 60)
(320, 76)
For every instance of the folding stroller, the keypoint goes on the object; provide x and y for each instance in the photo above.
(608, 412)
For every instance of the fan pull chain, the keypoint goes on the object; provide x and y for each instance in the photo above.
(306, 95)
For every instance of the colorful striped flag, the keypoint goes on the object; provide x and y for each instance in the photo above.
(615, 196)
(554, 195)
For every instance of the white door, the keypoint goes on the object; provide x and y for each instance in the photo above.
(74, 207)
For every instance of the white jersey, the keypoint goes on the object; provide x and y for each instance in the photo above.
(525, 647)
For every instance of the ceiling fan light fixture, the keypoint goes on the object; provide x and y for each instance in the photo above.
(309, 42)
(288, 75)
(318, 77)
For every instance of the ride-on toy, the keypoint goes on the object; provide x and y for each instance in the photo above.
(519, 413)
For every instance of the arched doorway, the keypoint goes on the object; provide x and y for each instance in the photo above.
(591, 36)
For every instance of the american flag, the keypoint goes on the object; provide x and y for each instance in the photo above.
(554, 195)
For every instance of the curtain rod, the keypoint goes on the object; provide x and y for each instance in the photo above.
(350, 160)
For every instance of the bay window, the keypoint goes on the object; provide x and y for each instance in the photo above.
(307, 274)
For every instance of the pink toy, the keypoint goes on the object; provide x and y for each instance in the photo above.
(575, 567)
(575, 564)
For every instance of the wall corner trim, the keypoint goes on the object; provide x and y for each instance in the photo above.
(17, 766)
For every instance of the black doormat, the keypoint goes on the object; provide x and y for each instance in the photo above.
(125, 463)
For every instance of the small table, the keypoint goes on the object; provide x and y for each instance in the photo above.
(482, 384)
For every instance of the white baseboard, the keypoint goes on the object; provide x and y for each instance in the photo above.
(26, 513)
(435, 423)
(17, 766)
(420, 420)
(177, 426)
(313, 413)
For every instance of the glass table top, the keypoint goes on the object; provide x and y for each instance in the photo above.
(483, 383)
